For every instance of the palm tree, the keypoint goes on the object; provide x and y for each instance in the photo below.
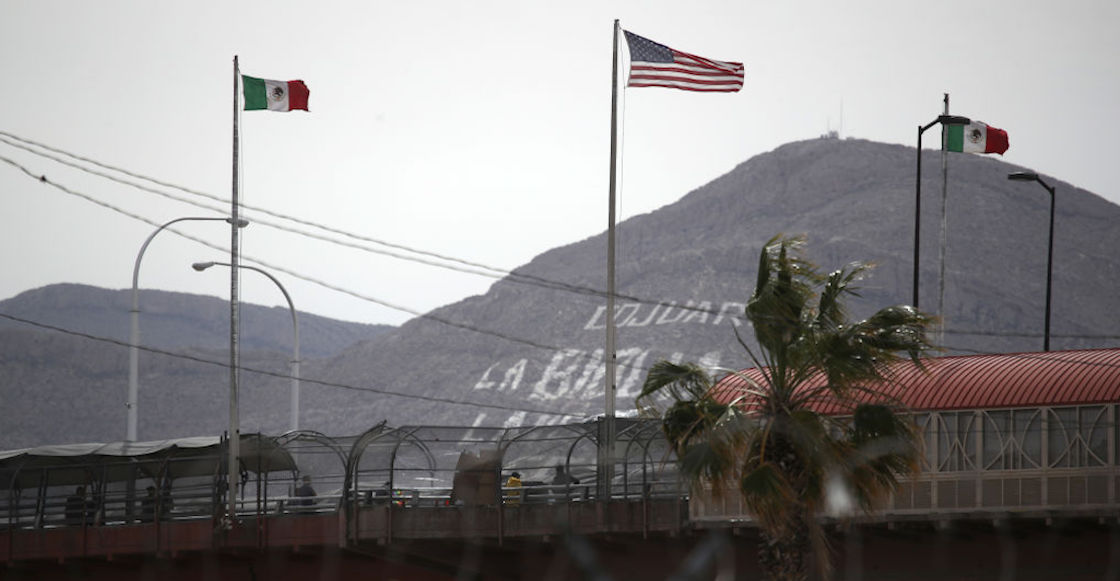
(817, 419)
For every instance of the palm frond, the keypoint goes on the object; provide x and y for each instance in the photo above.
(899, 328)
(831, 312)
(782, 293)
(688, 421)
(681, 380)
(707, 461)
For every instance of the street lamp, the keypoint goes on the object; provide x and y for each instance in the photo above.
(134, 334)
(944, 120)
(201, 266)
(1026, 176)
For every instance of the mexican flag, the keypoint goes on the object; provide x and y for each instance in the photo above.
(273, 95)
(977, 137)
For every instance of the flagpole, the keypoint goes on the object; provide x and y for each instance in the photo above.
(607, 437)
(944, 222)
(234, 302)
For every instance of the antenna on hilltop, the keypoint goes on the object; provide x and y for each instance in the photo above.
(831, 133)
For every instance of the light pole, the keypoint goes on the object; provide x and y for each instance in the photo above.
(944, 120)
(1026, 176)
(201, 266)
(134, 334)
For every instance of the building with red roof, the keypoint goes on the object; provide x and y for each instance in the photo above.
(1026, 434)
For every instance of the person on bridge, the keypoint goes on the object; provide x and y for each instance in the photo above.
(382, 495)
(148, 506)
(563, 478)
(77, 507)
(563, 481)
(306, 492)
(513, 483)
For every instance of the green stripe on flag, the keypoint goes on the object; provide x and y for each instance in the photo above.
(955, 140)
(255, 96)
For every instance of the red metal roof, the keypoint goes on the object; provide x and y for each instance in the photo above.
(1090, 376)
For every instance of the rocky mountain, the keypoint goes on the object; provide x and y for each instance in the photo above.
(172, 320)
(58, 387)
(531, 349)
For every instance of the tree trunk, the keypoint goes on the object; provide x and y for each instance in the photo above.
(786, 558)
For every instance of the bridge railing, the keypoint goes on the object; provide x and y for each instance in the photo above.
(132, 483)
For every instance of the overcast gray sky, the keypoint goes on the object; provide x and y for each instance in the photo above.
(480, 130)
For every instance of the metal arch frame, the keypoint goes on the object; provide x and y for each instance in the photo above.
(377, 432)
(409, 434)
(574, 428)
(286, 438)
(283, 440)
(590, 435)
(633, 430)
(641, 428)
(363, 440)
(349, 504)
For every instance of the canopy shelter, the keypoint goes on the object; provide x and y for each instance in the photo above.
(122, 482)
(78, 464)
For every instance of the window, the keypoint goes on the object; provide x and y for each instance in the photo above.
(1012, 439)
(956, 442)
(1077, 436)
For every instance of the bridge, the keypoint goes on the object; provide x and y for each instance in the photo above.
(423, 487)
(1020, 490)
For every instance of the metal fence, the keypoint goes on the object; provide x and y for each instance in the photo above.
(308, 472)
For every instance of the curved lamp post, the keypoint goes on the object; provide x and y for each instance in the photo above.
(201, 266)
(134, 333)
(944, 120)
(1026, 176)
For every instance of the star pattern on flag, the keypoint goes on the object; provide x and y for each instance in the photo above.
(644, 49)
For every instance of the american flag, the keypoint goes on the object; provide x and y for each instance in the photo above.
(656, 65)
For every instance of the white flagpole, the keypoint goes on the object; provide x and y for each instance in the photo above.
(234, 303)
(944, 222)
(606, 442)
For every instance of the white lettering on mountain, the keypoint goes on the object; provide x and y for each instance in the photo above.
(577, 375)
(644, 315)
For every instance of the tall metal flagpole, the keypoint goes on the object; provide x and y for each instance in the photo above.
(944, 222)
(234, 303)
(606, 438)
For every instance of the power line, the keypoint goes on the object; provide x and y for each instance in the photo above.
(427, 316)
(1050, 356)
(256, 209)
(278, 268)
(320, 382)
(1026, 335)
(474, 267)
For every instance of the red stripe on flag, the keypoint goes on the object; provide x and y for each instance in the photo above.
(728, 66)
(297, 95)
(688, 87)
(681, 70)
(646, 78)
(996, 141)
